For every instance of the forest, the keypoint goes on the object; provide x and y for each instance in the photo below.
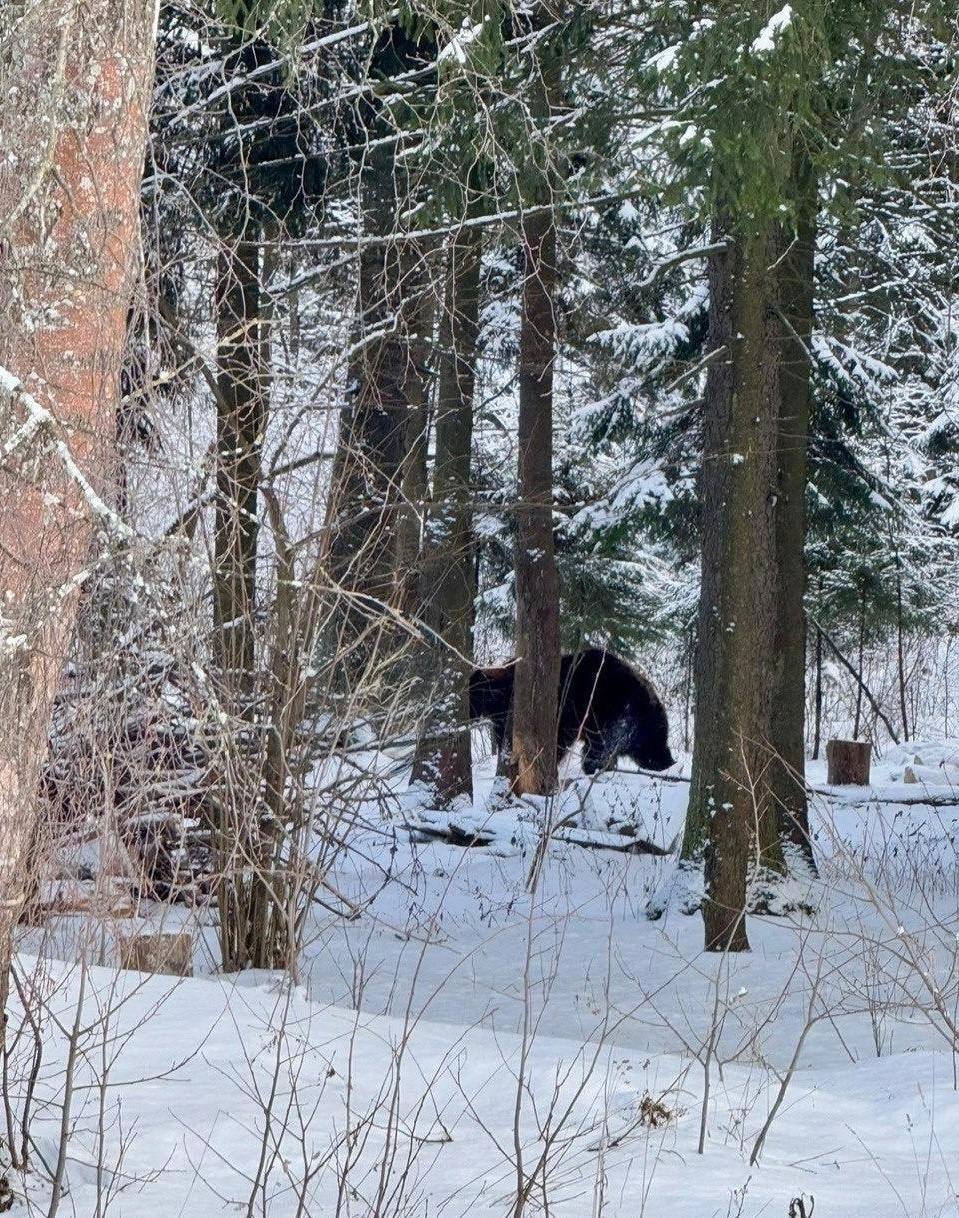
(480, 578)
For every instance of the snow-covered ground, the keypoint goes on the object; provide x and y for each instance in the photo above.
(506, 1021)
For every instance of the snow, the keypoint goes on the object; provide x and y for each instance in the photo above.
(485, 982)
(664, 60)
(889, 1125)
(771, 32)
(456, 48)
(40, 420)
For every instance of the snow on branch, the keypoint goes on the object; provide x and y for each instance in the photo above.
(770, 34)
(688, 255)
(40, 420)
(265, 69)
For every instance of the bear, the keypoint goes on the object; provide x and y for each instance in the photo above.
(603, 701)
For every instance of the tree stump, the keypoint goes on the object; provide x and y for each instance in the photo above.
(848, 762)
(169, 954)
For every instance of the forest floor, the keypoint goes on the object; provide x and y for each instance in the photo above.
(504, 1018)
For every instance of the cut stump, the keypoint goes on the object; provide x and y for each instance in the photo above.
(848, 763)
(169, 954)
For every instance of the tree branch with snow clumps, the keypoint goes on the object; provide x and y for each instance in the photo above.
(40, 421)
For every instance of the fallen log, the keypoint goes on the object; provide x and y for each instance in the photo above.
(907, 801)
(591, 839)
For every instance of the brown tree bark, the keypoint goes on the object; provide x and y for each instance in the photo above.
(729, 809)
(817, 729)
(243, 844)
(365, 546)
(242, 381)
(443, 759)
(860, 685)
(533, 760)
(900, 652)
(73, 145)
(848, 762)
(364, 495)
(419, 316)
(788, 735)
(532, 763)
(385, 384)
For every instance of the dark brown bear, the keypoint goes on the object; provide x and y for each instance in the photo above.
(604, 702)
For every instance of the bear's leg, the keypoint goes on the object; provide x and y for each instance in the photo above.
(566, 737)
(595, 756)
(605, 745)
(502, 726)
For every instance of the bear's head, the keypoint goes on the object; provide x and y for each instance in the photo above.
(649, 746)
(654, 756)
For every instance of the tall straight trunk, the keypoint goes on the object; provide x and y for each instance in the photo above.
(242, 373)
(788, 736)
(729, 808)
(533, 760)
(688, 686)
(385, 382)
(372, 429)
(69, 206)
(535, 711)
(243, 319)
(417, 305)
(861, 661)
(414, 487)
(443, 759)
(817, 722)
(901, 654)
(364, 507)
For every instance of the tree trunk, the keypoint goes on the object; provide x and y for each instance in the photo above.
(900, 653)
(365, 507)
(443, 760)
(414, 474)
(860, 685)
(243, 369)
(848, 762)
(69, 204)
(385, 380)
(408, 678)
(688, 685)
(414, 483)
(533, 760)
(371, 444)
(730, 811)
(817, 736)
(244, 837)
(788, 737)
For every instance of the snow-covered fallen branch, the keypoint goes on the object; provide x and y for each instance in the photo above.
(909, 801)
(465, 832)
